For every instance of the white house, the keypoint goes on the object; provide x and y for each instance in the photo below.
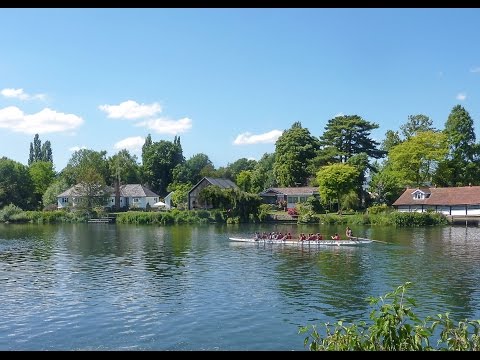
(463, 200)
(132, 196)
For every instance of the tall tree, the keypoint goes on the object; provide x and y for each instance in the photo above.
(294, 151)
(58, 186)
(416, 124)
(462, 165)
(350, 135)
(39, 152)
(335, 181)
(416, 159)
(148, 142)
(47, 152)
(190, 171)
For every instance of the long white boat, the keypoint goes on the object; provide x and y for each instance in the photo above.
(353, 241)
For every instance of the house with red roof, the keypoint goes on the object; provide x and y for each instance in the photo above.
(456, 201)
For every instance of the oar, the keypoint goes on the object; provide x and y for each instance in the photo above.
(359, 238)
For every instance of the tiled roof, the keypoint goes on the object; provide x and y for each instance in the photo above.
(303, 190)
(464, 195)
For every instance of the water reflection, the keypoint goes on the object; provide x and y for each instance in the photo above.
(103, 286)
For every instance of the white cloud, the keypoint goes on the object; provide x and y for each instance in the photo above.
(461, 96)
(167, 126)
(133, 143)
(20, 94)
(266, 138)
(131, 110)
(475, 69)
(45, 121)
(76, 148)
(339, 114)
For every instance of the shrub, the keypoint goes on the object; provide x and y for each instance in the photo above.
(395, 327)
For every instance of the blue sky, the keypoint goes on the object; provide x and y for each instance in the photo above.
(227, 81)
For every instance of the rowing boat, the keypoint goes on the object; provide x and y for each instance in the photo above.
(353, 241)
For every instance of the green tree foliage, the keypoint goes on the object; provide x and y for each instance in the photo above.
(415, 124)
(244, 180)
(392, 138)
(462, 164)
(386, 185)
(294, 151)
(94, 191)
(42, 174)
(416, 159)
(192, 170)
(393, 326)
(148, 142)
(335, 181)
(39, 152)
(350, 135)
(84, 160)
(262, 176)
(124, 167)
(360, 162)
(54, 189)
(180, 195)
(159, 160)
(15, 184)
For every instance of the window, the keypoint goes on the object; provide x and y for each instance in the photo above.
(135, 200)
(418, 196)
(65, 200)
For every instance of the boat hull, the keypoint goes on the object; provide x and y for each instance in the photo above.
(305, 243)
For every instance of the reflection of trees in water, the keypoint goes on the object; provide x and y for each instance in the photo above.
(333, 277)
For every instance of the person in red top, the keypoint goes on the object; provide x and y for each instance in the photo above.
(336, 237)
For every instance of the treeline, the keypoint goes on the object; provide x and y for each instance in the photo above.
(351, 169)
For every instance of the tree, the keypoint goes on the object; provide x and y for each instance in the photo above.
(42, 174)
(335, 181)
(416, 124)
(240, 165)
(16, 186)
(386, 186)
(360, 162)
(47, 152)
(191, 171)
(123, 167)
(392, 138)
(262, 176)
(416, 159)
(180, 194)
(92, 187)
(461, 166)
(350, 135)
(82, 160)
(39, 152)
(244, 180)
(159, 160)
(56, 188)
(294, 151)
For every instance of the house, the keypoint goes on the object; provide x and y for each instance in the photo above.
(464, 200)
(290, 195)
(131, 196)
(193, 200)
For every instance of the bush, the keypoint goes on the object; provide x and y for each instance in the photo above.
(395, 327)
(8, 212)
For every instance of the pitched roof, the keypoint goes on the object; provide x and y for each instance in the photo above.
(463, 195)
(128, 190)
(78, 190)
(301, 190)
(223, 183)
(136, 190)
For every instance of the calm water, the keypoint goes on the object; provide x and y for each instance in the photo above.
(113, 287)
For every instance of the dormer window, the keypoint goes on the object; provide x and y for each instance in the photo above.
(418, 196)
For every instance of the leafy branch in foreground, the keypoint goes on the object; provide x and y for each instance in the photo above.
(395, 327)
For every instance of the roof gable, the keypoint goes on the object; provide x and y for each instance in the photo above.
(463, 195)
